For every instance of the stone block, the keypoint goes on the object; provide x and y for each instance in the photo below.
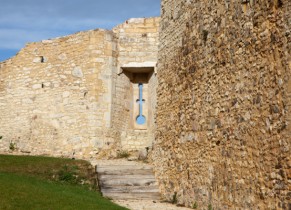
(36, 86)
(77, 72)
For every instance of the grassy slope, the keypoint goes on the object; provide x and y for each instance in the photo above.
(41, 167)
(26, 183)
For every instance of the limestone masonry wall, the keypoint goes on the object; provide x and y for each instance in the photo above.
(217, 111)
(137, 48)
(223, 111)
(58, 96)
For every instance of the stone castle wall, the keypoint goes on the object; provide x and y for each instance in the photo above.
(58, 96)
(223, 110)
(138, 48)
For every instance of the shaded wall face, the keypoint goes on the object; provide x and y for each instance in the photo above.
(55, 96)
(223, 121)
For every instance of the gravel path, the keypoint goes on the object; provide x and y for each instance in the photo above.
(147, 205)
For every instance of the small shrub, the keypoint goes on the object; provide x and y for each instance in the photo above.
(0, 137)
(210, 207)
(195, 205)
(174, 199)
(123, 154)
(68, 174)
(12, 146)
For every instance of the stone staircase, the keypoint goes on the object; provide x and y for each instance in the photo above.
(127, 182)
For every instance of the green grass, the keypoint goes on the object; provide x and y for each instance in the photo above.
(41, 167)
(30, 183)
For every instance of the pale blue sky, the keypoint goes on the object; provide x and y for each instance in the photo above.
(23, 21)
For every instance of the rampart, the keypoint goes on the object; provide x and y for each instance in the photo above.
(74, 96)
(223, 110)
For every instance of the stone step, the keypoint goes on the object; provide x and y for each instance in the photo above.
(128, 182)
(126, 176)
(105, 180)
(131, 189)
(132, 196)
(125, 170)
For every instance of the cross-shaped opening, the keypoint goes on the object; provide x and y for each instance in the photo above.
(141, 103)
(140, 119)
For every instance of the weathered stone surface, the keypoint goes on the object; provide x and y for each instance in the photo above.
(77, 72)
(143, 154)
(128, 182)
(223, 133)
(223, 123)
(63, 96)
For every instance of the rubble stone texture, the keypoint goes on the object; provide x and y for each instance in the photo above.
(224, 103)
(223, 125)
(69, 96)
